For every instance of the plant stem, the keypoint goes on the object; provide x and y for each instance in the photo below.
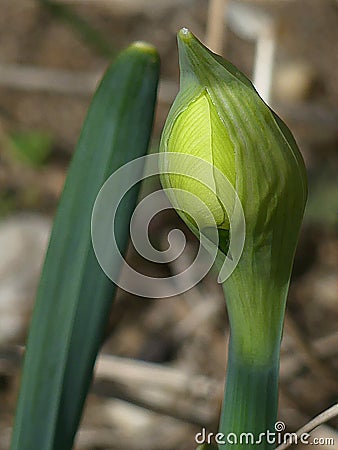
(250, 402)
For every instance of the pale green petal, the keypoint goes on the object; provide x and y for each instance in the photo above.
(198, 131)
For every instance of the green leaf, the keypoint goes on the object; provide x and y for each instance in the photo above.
(74, 295)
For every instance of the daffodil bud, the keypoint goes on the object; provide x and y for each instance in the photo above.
(218, 117)
(218, 124)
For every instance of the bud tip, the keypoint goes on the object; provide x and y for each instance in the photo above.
(185, 35)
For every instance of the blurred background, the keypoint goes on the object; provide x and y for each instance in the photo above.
(160, 376)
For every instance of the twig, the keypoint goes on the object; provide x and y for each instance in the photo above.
(135, 372)
(51, 80)
(125, 426)
(314, 423)
(264, 62)
(326, 346)
(215, 25)
(330, 434)
(119, 425)
(67, 82)
(165, 390)
(123, 370)
(253, 24)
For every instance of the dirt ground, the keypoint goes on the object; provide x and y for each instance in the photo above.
(161, 373)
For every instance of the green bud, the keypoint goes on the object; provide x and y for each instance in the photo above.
(219, 117)
(198, 131)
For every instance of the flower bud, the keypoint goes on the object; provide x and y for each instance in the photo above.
(219, 117)
(198, 131)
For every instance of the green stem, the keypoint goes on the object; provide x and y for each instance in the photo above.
(250, 402)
